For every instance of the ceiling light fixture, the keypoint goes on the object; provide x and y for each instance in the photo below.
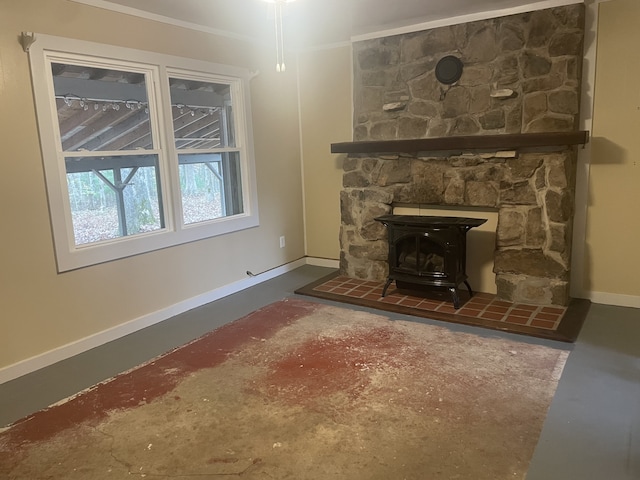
(279, 6)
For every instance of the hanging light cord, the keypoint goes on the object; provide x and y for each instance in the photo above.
(280, 66)
(279, 6)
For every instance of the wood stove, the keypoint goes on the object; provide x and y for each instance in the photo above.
(427, 251)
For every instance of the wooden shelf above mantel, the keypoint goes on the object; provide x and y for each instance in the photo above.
(511, 141)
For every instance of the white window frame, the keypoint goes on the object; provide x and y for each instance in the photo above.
(158, 68)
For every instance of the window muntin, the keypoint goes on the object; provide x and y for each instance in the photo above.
(153, 166)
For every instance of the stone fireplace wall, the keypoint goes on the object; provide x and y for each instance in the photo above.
(522, 74)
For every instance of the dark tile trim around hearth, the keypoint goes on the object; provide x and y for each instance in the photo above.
(483, 309)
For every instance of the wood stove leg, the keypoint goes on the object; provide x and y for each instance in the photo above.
(386, 285)
(469, 288)
(454, 296)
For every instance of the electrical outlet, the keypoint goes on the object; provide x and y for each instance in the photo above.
(282, 242)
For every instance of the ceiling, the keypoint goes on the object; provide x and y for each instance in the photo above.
(319, 22)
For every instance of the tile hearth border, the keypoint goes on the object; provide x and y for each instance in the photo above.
(483, 309)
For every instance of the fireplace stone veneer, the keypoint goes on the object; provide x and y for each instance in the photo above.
(532, 193)
(536, 57)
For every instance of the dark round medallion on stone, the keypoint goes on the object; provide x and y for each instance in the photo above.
(449, 70)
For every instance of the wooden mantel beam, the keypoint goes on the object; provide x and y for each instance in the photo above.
(512, 141)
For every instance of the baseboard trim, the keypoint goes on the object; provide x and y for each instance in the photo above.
(63, 352)
(45, 359)
(615, 299)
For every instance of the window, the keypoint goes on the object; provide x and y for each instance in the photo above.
(203, 126)
(141, 151)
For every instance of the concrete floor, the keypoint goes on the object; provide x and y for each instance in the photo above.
(592, 430)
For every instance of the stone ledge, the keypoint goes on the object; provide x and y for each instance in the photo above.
(461, 143)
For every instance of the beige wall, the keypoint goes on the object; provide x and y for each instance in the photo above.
(41, 309)
(325, 113)
(612, 255)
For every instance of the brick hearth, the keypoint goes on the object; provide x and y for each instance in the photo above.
(483, 309)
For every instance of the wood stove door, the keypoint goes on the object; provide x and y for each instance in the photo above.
(418, 254)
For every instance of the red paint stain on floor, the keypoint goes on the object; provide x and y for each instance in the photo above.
(157, 378)
(325, 366)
